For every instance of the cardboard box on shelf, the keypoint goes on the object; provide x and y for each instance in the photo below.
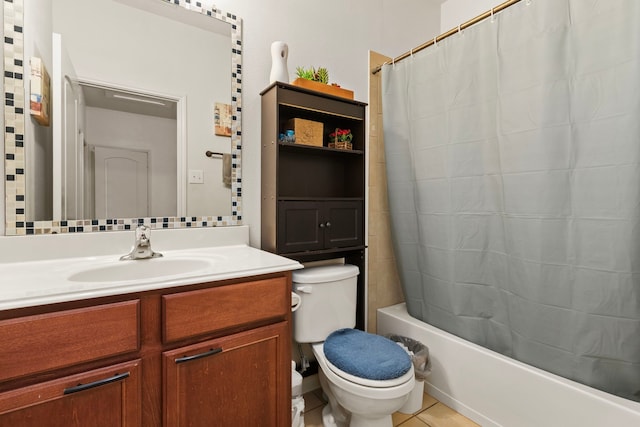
(40, 100)
(307, 132)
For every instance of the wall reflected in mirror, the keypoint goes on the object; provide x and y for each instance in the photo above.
(134, 85)
(129, 148)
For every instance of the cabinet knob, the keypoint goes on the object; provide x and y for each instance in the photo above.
(328, 224)
(321, 225)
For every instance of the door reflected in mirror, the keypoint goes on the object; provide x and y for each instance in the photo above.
(130, 148)
(134, 85)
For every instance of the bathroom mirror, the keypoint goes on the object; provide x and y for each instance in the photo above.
(145, 111)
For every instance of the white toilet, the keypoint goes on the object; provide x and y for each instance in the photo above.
(375, 375)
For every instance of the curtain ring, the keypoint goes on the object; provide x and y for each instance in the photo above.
(393, 63)
(411, 51)
(459, 31)
(493, 18)
(435, 41)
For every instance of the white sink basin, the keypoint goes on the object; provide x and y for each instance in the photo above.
(76, 278)
(142, 269)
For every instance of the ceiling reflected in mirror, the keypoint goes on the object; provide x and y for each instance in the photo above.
(126, 102)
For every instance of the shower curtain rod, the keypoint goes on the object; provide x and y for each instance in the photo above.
(451, 32)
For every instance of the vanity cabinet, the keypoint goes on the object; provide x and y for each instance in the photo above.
(103, 397)
(50, 345)
(313, 196)
(43, 342)
(238, 379)
(230, 381)
(206, 354)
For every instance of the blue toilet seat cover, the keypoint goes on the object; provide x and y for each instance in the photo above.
(366, 355)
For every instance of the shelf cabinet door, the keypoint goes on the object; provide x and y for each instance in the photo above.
(239, 380)
(316, 225)
(343, 224)
(300, 226)
(106, 397)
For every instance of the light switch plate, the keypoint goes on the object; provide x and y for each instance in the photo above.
(196, 176)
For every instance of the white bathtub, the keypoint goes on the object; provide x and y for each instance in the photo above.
(494, 390)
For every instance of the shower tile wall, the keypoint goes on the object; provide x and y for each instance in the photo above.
(384, 284)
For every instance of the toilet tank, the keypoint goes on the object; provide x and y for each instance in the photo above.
(328, 301)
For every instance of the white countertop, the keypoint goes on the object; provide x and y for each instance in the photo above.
(46, 281)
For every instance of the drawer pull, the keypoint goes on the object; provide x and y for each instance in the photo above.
(198, 356)
(82, 387)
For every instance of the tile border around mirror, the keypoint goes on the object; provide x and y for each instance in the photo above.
(14, 128)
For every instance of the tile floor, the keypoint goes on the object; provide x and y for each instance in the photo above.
(432, 414)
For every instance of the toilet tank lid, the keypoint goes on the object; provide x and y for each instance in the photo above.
(326, 273)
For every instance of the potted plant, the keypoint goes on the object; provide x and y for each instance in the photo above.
(318, 80)
(321, 75)
(341, 139)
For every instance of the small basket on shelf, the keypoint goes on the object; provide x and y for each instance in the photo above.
(341, 145)
(341, 139)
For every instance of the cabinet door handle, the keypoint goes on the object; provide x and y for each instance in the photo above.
(321, 225)
(199, 356)
(328, 224)
(82, 387)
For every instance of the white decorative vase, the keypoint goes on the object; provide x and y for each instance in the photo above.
(279, 55)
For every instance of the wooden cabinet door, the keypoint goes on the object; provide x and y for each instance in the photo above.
(343, 224)
(300, 226)
(106, 397)
(46, 342)
(316, 225)
(238, 380)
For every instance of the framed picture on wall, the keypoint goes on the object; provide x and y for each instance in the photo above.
(222, 119)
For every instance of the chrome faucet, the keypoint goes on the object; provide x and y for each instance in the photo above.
(142, 246)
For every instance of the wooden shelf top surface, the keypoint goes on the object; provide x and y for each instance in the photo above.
(312, 92)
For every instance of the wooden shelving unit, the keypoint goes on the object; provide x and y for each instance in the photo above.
(313, 198)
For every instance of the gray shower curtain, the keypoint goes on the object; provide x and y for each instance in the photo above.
(513, 164)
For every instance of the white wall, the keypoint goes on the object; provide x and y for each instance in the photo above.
(405, 26)
(456, 12)
(109, 128)
(335, 34)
